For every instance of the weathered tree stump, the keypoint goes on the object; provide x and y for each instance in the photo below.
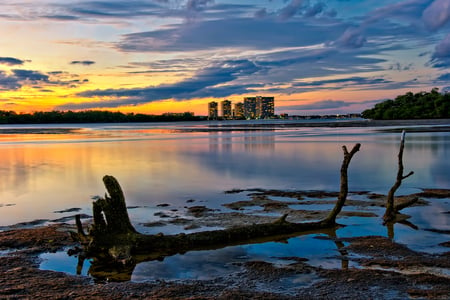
(113, 237)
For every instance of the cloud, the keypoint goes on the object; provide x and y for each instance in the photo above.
(314, 10)
(324, 104)
(61, 17)
(114, 9)
(239, 33)
(282, 46)
(8, 82)
(11, 61)
(82, 62)
(261, 13)
(399, 67)
(442, 50)
(331, 107)
(444, 77)
(409, 11)
(212, 81)
(344, 82)
(18, 78)
(441, 55)
(351, 38)
(197, 5)
(291, 9)
(31, 76)
(231, 77)
(437, 14)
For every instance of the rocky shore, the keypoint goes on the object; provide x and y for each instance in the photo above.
(387, 270)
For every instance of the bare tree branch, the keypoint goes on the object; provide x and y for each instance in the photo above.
(391, 211)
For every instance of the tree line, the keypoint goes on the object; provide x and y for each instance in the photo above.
(423, 105)
(90, 116)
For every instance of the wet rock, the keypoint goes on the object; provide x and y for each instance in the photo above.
(161, 214)
(198, 211)
(154, 224)
(74, 209)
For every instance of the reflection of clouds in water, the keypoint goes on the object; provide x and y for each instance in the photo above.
(191, 265)
(169, 168)
(440, 170)
(425, 217)
(429, 154)
(286, 164)
(213, 264)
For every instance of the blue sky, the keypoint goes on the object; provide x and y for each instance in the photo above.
(157, 56)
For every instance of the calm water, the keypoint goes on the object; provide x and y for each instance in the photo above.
(48, 168)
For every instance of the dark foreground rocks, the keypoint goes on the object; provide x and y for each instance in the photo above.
(387, 271)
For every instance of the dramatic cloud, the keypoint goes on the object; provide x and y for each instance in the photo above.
(443, 48)
(8, 83)
(437, 14)
(444, 77)
(222, 48)
(198, 5)
(10, 61)
(351, 38)
(241, 33)
(82, 62)
(314, 10)
(344, 82)
(325, 104)
(209, 81)
(114, 9)
(291, 9)
(19, 78)
(441, 55)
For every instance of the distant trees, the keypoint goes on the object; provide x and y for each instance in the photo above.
(423, 105)
(90, 116)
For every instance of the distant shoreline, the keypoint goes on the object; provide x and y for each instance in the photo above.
(419, 125)
(422, 124)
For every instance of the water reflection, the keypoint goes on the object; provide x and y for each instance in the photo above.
(319, 249)
(171, 163)
(324, 248)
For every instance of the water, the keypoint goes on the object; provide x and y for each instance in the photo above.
(47, 169)
(171, 163)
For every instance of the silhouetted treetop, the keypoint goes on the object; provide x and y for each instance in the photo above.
(423, 105)
(89, 116)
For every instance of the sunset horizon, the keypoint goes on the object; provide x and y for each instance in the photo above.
(164, 56)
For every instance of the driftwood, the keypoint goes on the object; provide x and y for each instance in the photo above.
(392, 210)
(113, 238)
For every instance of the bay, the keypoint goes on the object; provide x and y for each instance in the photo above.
(46, 169)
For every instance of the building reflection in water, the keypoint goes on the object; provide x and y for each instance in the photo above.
(227, 141)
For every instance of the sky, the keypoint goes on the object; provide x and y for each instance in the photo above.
(158, 56)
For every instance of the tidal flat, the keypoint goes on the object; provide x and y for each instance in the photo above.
(185, 178)
(347, 262)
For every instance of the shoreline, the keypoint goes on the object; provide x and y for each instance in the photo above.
(388, 270)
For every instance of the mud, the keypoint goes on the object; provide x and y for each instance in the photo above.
(379, 268)
(382, 275)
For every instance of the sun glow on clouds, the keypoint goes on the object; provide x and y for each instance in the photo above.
(175, 56)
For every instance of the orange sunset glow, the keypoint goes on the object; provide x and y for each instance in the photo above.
(176, 56)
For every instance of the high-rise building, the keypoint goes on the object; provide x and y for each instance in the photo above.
(259, 107)
(266, 107)
(239, 111)
(226, 109)
(212, 110)
(250, 107)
